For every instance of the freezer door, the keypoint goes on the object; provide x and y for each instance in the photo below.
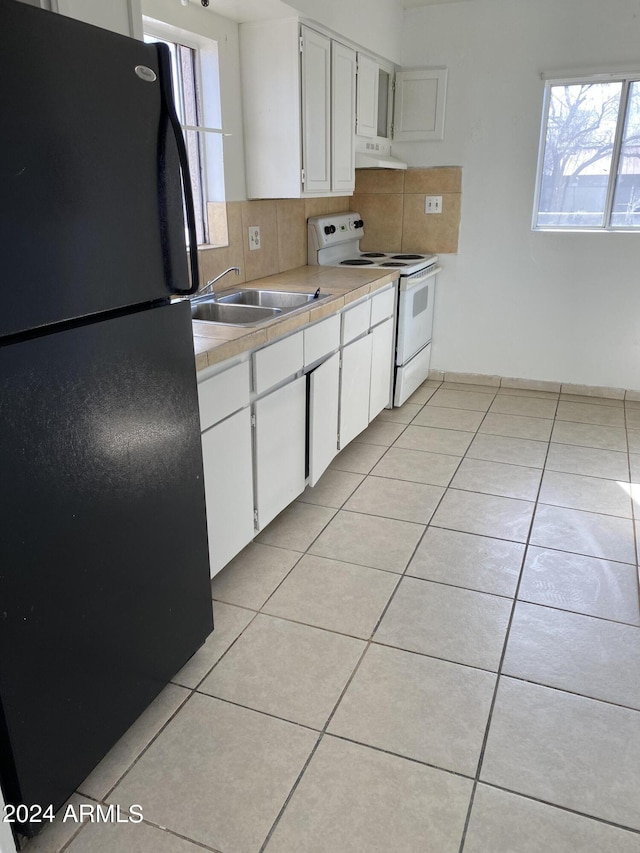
(104, 575)
(91, 214)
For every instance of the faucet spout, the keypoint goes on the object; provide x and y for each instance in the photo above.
(208, 288)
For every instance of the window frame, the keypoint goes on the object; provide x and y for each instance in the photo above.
(626, 78)
(208, 101)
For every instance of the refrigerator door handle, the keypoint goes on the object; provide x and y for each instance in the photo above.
(167, 100)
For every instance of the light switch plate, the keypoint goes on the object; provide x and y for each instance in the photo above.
(433, 204)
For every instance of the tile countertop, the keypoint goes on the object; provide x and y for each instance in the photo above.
(214, 343)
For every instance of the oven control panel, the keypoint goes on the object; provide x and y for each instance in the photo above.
(334, 229)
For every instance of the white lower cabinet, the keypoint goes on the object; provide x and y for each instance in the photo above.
(355, 378)
(324, 392)
(228, 481)
(366, 376)
(279, 449)
(382, 346)
(274, 419)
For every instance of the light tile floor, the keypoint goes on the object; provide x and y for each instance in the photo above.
(436, 650)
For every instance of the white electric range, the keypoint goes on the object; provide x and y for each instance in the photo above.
(334, 240)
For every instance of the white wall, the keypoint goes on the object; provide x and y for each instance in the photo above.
(204, 22)
(374, 24)
(512, 302)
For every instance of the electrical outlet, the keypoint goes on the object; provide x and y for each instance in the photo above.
(433, 204)
(254, 237)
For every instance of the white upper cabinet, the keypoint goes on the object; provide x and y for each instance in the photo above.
(298, 90)
(316, 110)
(402, 106)
(419, 104)
(343, 110)
(367, 102)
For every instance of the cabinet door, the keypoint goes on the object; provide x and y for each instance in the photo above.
(324, 388)
(316, 115)
(367, 104)
(419, 104)
(355, 377)
(343, 111)
(381, 367)
(228, 485)
(279, 449)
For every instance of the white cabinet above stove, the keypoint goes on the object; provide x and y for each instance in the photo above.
(396, 105)
(299, 89)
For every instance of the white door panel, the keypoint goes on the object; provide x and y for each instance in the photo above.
(228, 481)
(324, 387)
(381, 367)
(279, 443)
(355, 377)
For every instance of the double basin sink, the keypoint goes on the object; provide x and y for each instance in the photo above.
(251, 307)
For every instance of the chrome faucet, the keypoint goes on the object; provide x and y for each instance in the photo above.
(208, 288)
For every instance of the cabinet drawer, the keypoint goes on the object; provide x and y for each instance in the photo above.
(321, 339)
(355, 321)
(223, 394)
(277, 362)
(382, 305)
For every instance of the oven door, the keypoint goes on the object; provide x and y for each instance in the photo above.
(415, 314)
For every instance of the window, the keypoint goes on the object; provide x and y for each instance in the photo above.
(196, 85)
(589, 160)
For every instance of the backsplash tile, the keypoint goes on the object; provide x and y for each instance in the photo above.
(438, 180)
(433, 232)
(218, 223)
(382, 215)
(404, 226)
(263, 261)
(283, 236)
(292, 233)
(213, 261)
(379, 181)
(320, 206)
(390, 201)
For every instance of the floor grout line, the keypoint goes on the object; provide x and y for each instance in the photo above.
(401, 576)
(499, 672)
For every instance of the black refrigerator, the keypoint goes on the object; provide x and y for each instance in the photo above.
(104, 575)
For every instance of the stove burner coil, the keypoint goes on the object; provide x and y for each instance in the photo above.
(407, 257)
(373, 255)
(394, 264)
(356, 262)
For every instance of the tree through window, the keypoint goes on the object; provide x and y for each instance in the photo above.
(589, 164)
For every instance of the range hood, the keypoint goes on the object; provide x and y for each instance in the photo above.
(377, 160)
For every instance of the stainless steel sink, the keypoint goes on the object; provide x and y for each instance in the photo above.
(250, 307)
(234, 315)
(282, 299)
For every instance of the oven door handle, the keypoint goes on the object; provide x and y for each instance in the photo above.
(409, 283)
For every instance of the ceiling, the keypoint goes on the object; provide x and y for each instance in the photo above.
(251, 10)
(259, 10)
